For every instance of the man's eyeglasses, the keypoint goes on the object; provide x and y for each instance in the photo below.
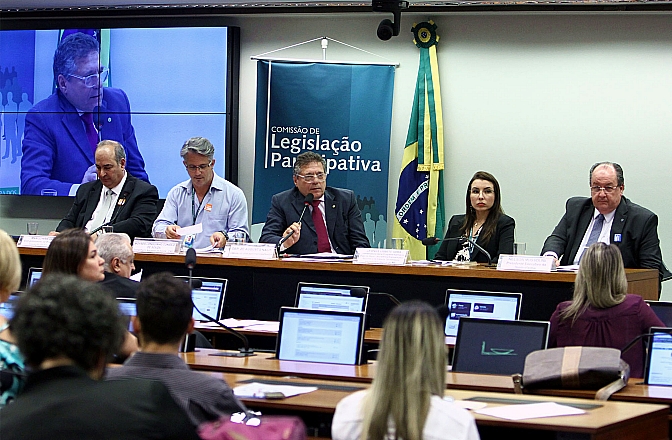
(94, 79)
(193, 168)
(606, 189)
(313, 177)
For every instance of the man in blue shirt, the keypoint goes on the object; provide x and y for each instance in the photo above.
(205, 198)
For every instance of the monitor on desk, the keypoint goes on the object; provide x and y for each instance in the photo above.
(7, 307)
(34, 275)
(658, 367)
(480, 304)
(325, 336)
(209, 298)
(663, 310)
(330, 297)
(491, 346)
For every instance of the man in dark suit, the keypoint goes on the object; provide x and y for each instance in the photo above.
(66, 329)
(608, 217)
(60, 134)
(117, 198)
(115, 249)
(344, 229)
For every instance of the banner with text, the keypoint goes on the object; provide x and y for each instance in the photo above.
(340, 111)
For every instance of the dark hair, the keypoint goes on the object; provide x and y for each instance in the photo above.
(619, 172)
(495, 212)
(65, 316)
(70, 49)
(164, 308)
(67, 251)
(306, 158)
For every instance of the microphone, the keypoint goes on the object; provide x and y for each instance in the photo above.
(359, 292)
(430, 241)
(190, 262)
(307, 201)
(99, 228)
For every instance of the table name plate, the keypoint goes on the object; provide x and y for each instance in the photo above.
(252, 251)
(35, 241)
(526, 263)
(390, 257)
(156, 246)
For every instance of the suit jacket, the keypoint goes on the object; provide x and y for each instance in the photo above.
(135, 217)
(634, 230)
(501, 242)
(64, 403)
(56, 151)
(344, 221)
(120, 287)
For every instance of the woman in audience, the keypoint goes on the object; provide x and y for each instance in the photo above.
(602, 314)
(74, 252)
(406, 397)
(11, 361)
(484, 222)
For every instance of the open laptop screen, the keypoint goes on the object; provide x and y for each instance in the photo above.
(7, 307)
(480, 304)
(209, 298)
(320, 336)
(34, 274)
(492, 346)
(663, 311)
(659, 357)
(127, 308)
(330, 297)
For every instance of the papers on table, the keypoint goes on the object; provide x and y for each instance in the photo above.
(530, 411)
(208, 250)
(323, 257)
(246, 324)
(136, 277)
(568, 268)
(262, 390)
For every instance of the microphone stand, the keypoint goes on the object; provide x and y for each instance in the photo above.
(307, 201)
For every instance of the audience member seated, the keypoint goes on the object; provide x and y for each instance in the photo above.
(116, 251)
(484, 222)
(73, 252)
(11, 361)
(406, 397)
(67, 329)
(602, 314)
(164, 318)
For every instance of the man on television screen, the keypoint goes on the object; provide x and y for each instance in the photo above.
(63, 130)
(205, 199)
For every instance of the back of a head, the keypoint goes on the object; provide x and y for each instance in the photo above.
(10, 265)
(601, 277)
(63, 316)
(66, 252)
(411, 368)
(164, 308)
(114, 245)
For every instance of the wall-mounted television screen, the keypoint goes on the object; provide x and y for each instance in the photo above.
(158, 87)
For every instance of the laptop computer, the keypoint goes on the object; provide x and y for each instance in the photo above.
(209, 298)
(127, 308)
(658, 366)
(34, 274)
(325, 336)
(330, 297)
(492, 346)
(663, 311)
(480, 304)
(7, 308)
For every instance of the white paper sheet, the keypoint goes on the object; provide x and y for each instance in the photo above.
(530, 411)
(188, 230)
(259, 390)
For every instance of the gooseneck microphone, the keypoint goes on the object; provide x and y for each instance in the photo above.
(190, 262)
(430, 241)
(100, 227)
(307, 201)
(359, 292)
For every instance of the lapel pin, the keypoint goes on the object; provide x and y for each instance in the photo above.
(333, 206)
(121, 202)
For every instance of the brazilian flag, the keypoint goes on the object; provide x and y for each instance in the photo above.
(419, 211)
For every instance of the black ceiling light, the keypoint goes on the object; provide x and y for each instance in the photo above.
(387, 28)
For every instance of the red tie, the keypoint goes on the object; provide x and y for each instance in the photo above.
(322, 236)
(91, 132)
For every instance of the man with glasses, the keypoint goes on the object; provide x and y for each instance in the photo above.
(206, 199)
(608, 217)
(332, 221)
(62, 131)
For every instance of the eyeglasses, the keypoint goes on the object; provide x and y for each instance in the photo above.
(94, 79)
(313, 177)
(486, 191)
(193, 168)
(606, 189)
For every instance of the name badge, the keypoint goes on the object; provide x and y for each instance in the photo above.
(208, 207)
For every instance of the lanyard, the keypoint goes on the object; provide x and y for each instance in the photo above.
(194, 213)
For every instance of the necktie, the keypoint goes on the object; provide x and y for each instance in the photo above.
(103, 211)
(322, 236)
(91, 132)
(597, 229)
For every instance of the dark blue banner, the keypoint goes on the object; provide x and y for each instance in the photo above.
(340, 111)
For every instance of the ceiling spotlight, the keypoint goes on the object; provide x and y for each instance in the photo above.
(388, 28)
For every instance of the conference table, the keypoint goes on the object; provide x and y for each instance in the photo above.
(258, 288)
(602, 420)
